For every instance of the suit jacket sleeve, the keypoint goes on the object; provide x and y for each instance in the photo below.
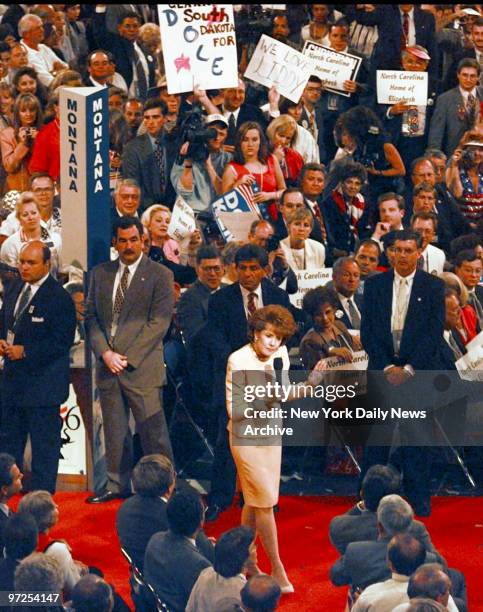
(438, 123)
(189, 313)
(62, 324)
(97, 337)
(155, 328)
(131, 167)
(369, 323)
(428, 345)
(339, 574)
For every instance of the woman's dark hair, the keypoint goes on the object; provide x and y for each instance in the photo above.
(118, 131)
(278, 317)
(232, 551)
(41, 91)
(240, 135)
(30, 101)
(285, 104)
(362, 124)
(343, 169)
(314, 299)
(464, 243)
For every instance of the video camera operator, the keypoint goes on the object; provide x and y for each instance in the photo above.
(196, 174)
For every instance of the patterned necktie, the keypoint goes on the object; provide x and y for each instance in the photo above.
(160, 162)
(354, 315)
(405, 31)
(120, 294)
(471, 110)
(251, 305)
(320, 221)
(312, 126)
(420, 263)
(23, 303)
(142, 83)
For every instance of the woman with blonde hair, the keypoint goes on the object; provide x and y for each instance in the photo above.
(467, 326)
(301, 252)
(31, 228)
(282, 136)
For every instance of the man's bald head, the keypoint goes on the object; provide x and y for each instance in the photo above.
(34, 261)
(261, 592)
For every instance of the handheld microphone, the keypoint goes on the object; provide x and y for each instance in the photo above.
(278, 367)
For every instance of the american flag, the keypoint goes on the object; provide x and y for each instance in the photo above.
(246, 192)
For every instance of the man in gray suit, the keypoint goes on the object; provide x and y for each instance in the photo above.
(149, 158)
(457, 110)
(129, 309)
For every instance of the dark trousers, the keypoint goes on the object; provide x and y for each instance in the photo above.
(44, 425)
(223, 474)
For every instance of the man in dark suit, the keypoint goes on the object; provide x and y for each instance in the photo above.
(473, 52)
(291, 199)
(457, 110)
(228, 313)
(409, 125)
(129, 310)
(37, 329)
(148, 158)
(21, 539)
(236, 112)
(98, 69)
(451, 223)
(399, 26)
(312, 117)
(133, 62)
(172, 562)
(144, 514)
(401, 330)
(360, 522)
(468, 268)
(365, 563)
(312, 183)
(10, 485)
(346, 276)
(192, 308)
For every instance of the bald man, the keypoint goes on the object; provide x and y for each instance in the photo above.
(37, 327)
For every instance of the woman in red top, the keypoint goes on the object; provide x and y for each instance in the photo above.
(252, 164)
(282, 133)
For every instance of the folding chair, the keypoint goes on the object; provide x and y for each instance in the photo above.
(143, 595)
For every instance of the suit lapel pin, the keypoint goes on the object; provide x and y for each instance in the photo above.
(419, 299)
(142, 278)
(31, 309)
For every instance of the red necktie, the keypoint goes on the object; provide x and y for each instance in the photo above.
(251, 306)
(405, 32)
(320, 221)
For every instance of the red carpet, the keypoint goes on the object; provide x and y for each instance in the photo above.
(455, 529)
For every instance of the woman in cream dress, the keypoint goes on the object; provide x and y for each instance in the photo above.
(259, 464)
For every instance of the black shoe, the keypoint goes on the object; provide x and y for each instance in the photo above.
(106, 497)
(212, 513)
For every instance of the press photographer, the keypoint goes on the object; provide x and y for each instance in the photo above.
(196, 174)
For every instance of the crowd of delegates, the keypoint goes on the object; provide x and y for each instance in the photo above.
(389, 196)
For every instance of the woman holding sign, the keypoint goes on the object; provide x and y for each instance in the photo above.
(253, 165)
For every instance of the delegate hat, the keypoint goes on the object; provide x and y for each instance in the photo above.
(474, 143)
(470, 11)
(419, 51)
(216, 118)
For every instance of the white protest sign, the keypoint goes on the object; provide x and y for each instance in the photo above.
(398, 85)
(333, 68)
(199, 46)
(182, 222)
(470, 366)
(348, 373)
(309, 279)
(274, 63)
